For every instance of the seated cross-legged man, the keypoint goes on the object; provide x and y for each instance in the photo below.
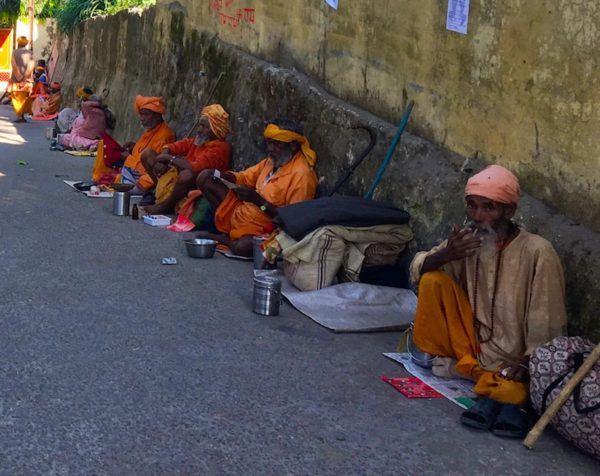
(157, 134)
(284, 177)
(488, 296)
(175, 169)
(46, 107)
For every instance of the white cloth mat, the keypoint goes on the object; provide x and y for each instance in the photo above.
(352, 307)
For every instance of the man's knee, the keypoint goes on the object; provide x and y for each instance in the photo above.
(186, 177)
(203, 179)
(433, 280)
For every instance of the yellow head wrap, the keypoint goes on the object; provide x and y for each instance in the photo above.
(217, 118)
(84, 93)
(22, 41)
(274, 132)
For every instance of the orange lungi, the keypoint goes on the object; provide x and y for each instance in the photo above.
(444, 326)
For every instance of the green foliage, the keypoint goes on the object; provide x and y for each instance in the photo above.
(9, 11)
(67, 12)
(73, 12)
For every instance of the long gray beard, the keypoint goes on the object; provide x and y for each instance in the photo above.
(489, 238)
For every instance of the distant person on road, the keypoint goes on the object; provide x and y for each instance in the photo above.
(488, 297)
(157, 134)
(174, 170)
(246, 202)
(40, 82)
(45, 108)
(20, 83)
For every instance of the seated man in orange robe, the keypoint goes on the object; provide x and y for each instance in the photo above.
(175, 169)
(156, 136)
(488, 296)
(46, 107)
(284, 177)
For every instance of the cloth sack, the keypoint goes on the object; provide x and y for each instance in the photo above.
(551, 366)
(313, 262)
(323, 266)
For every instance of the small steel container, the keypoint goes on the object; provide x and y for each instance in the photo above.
(200, 248)
(50, 133)
(121, 204)
(267, 295)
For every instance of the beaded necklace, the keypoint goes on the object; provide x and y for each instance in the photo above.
(478, 323)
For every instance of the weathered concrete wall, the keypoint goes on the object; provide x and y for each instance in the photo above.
(159, 53)
(520, 89)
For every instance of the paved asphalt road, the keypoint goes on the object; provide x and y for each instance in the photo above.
(114, 364)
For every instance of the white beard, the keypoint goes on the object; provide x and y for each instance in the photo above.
(489, 238)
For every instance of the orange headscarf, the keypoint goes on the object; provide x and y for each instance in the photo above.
(22, 41)
(217, 118)
(274, 132)
(151, 103)
(495, 183)
(84, 93)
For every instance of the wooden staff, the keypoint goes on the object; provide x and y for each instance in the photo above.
(562, 397)
(206, 103)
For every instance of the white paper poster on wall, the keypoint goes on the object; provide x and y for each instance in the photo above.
(332, 3)
(458, 16)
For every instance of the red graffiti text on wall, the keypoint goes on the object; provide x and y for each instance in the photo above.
(231, 18)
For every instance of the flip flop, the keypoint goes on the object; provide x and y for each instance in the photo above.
(482, 415)
(512, 422)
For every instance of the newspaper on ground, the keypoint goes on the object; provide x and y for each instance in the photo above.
(459, 391)
(94, 192)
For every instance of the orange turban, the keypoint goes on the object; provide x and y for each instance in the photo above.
(151, 103)
(84, 93)
(217, 118)
(274, 132)
(496, 183)
(22, 41)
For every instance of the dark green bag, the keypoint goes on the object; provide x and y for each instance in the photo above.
(203, 216)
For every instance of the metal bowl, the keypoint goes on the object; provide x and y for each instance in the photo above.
(122, 187)
(200, 248)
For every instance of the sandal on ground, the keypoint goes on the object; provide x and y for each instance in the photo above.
(512, 422)
(482, 415)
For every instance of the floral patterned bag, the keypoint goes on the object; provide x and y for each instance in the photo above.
(550, 367)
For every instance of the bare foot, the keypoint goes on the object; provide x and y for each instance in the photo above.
(157, 209)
